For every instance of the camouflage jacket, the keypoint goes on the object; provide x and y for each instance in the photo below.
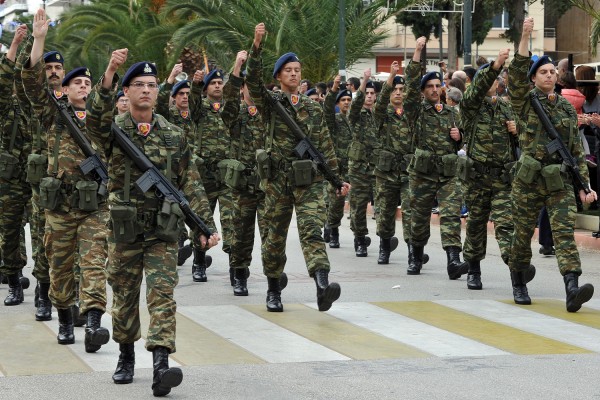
(246, 129)
(165, 146)
(14, 107)
(432, 122)
(340, 130)
(532, 137)
(280, 141)
(484, 119)
(365, 130)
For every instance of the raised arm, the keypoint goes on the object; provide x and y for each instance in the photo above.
(231, 91)
(254, 78)
(518, 83)
(412, 101)
(384, 99)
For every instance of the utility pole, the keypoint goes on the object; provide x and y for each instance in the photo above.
(342, 38)
(468, 27)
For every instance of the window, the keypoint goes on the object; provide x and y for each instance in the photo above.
(500, 21)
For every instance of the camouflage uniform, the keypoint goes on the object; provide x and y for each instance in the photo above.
(14, 190)
(432, 141)
(167, 148)
(490, 146)
(341, 134)
(246, 132)
(528, 198)
(69, 230)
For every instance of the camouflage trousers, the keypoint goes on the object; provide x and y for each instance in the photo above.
(221, 193)
(363, 183)
(527, 200)
(83, 233)
(335, 211)
(422, 194)
(487, 197)
(280, 201)
(127, 264)
(37, 222)
(247, 209)
(388, 195)
(14, 198)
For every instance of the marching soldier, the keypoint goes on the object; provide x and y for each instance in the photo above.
(539, 177)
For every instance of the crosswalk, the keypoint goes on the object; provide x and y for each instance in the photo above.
(248, 334)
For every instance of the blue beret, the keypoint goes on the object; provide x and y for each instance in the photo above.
(370, 85)
(120, 94)
(430, 76)
(310, 92)
(399, 80)
(75, 73)
(284, 59)
(543, 60)
(343, 93)
(185, 84)
(53, 56)
(143, 68)
(480, 68)
(214, 74)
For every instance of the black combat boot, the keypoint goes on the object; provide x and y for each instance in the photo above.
(334, 243)
(79, 319)
(519, 288)
(576, 295)
(15, 291)
(456, 268)
(474, 275)
(327, 292)
(529, 274)
(415, 259)
(124, 372)
(326, 233)
(24, 280)
(360, 245)
(44, 307)
(184, 252)
(164, 378)
(65, 326)
(384, 251)
(95, 335)
(240, 282)
(200, 263)
(274, 295)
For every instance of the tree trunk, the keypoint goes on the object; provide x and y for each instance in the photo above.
(453, 20)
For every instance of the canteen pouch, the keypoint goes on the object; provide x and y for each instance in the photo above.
(123, 220)
(422, 161)
(169, 221)
(406, 160)
(87, 192)
(36, 168)
(50, 194)
(264, 164)
(449, 164)
(232, 172)
(385, 160)
(507, 174)
(528, 169)
(464, 168)
(356, 151)
(552, 177)
(8, 166)
(302, 172)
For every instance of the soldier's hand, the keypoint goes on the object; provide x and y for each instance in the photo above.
(344, 190)
(527, 26)
(394, 68)
(259, 33)
(198, 76)
(502, 57)
(177, 69)
(241, 57)
(40, 24)
(367, 74)
(117, 58)
(455, 134)
(589, 197)
(20, 34)
(336, 83)
(421, 43)
(212, 241)
(511, 126)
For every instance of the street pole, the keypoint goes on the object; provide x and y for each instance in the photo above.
(468, 27)
(342, 38)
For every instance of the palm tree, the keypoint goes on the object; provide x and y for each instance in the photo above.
(589, 8)
(307, 27)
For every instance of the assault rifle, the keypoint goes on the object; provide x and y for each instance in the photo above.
(93, 162)
(152, 177)
(557, 145)
(305, 146)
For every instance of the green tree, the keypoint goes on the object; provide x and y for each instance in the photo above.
(587, 6)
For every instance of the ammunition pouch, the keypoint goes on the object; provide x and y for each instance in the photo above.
(123, 220)
(37, 164)
(464, 168)
(9, 166)
(169, 221)
(264, 164)
(232, 173)
(406, 160)
(528, 169)
(51, 195)
(357, 151)
(508, 174)
(422, 161)
(552, 177)
(301, 173)
(86, 196)
(385, 160)
(448, 165)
